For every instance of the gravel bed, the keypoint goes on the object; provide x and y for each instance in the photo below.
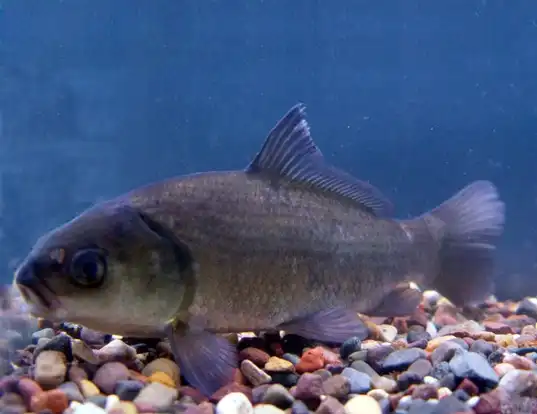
(440, 360)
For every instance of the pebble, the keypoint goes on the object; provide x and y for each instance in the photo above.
(361, 404)
(359, 382)
(255, 375)
(309, 386)
(337, 386)
(116, 350)
(475, 367)
(330, 405)
(388, 333)
(54, 400)
(72, 391)
(50, 369)
(156, 395)
(402, 359)
(256, 355)
(234, 403)
(519, 382)
(267, 409)
(109, 374)
(88, 388)
(82, 351)
(311, 361)
(164, 365)
(42, 333)
(278, 396)
(350, 346)
(275, 364)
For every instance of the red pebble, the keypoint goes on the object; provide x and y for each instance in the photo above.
(311, 361)
(53, 400)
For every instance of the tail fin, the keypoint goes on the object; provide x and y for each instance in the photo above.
(470, 222)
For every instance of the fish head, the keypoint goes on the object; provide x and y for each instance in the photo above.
(112, 268)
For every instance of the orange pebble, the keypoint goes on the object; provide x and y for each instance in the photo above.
(53, 400)
(311, 360)
(163, 378)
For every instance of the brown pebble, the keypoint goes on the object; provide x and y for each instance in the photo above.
(109, 374)
(27, 388)
(424, 392)
(498, 327)
(400, 324)
(256, 355)
(469, 387)
(50, 369)
(519, 362)
(53, 400)
(330, 405)
(337, 386)
(227, 389)
(308, 387)
(76, 374)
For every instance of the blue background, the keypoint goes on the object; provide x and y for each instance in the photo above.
(419, 97)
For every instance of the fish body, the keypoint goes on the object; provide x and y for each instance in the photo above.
(288, 243)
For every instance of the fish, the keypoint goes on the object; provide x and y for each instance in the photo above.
(288, 243)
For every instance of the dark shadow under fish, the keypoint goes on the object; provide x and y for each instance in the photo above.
(290, 243)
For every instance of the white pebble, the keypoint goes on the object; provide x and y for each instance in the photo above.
(111, 400)
(362, 404)
(88, 408)
(431, 329)
(430, 380)
(378, 394)
(444, 392)
(472, 402)
(234, 403)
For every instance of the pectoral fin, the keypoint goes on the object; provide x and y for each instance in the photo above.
(334, 325)
(206, 360)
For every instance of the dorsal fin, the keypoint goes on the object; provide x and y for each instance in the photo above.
(290, 153)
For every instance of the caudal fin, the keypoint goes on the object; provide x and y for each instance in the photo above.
(470, 223)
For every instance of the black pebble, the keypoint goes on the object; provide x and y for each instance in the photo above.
(60, 343)
(483, 347)
(450, 405)
(461, 395)
(524, 351)
(71, 329)
(350, 346)
(417, 333)
(406, 379)
(449, 381)
(127, 390)
(253, 342)
(284, 378)
(295, 344)
(495, 357)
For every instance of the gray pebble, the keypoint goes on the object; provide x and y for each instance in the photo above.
(359, 382)
(474, 367)
(402, 359)
(278, 396)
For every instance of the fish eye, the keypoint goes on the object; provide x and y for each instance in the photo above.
(88, 268)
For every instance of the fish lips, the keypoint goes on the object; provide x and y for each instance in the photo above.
(35, 291)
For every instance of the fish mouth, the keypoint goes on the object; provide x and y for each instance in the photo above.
(37, 294)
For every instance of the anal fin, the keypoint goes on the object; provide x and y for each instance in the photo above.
(334, 325)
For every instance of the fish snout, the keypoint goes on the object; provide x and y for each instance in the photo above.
(33, 288)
